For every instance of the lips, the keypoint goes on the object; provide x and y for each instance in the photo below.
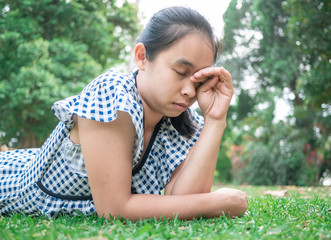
(181, 106)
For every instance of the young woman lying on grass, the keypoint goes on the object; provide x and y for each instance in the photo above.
(126, 137)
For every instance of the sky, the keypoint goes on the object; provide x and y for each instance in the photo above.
(212, 10)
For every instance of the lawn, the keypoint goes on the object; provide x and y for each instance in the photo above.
(302, 213)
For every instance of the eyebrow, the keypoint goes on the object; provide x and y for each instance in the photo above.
(185, 62)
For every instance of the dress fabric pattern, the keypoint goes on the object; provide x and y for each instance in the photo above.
(52, 180)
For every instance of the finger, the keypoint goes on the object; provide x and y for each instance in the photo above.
(224, 89)
(208, 84)
(225, 75)
(199, 77)
(206, 73)
(226, 78)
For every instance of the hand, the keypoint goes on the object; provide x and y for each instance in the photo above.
(215, 93)
(234, 201)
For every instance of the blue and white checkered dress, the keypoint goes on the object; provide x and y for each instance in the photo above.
(52, 180)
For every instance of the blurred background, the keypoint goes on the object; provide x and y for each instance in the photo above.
(278, 52)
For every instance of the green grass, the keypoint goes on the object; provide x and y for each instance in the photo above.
(304, 213)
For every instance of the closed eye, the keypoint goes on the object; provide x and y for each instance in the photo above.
(181, 74)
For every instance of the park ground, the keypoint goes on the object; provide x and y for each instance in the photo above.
(279, 212)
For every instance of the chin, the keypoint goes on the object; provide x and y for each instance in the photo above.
(172, 115)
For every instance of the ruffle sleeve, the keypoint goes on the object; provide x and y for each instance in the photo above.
(102, 99)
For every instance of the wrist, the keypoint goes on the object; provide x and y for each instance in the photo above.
(216, 124)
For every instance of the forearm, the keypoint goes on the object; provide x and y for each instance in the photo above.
(150, 206)
(198, 173)
(189, 206)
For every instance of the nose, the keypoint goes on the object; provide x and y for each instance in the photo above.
(188, 88)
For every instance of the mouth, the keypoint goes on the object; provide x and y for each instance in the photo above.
(181, 106)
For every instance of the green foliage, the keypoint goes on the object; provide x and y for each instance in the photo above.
(234, 30)
(51, 50)
(259, 170)
(273, 153)
(244, 105)
(309, 31)
(302, 214)
(279, 161)
(285, 47)
(223, 167)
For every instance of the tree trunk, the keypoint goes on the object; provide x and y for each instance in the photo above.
(29, 141)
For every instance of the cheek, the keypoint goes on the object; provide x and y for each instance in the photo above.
(168, 86)
(167, 83)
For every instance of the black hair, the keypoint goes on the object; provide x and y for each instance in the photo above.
(165, 28)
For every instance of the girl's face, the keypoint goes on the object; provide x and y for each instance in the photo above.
(164, 83)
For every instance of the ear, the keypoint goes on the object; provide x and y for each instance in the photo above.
(140, 56)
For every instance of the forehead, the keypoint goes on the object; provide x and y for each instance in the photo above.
(194, 51)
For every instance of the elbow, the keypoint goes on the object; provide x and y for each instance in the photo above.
(113, 211)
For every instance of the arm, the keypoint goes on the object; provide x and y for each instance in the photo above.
(107, 149)
(196, 173)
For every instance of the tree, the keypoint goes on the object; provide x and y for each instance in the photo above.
(51, 50)
(309, 32)
(285, 46)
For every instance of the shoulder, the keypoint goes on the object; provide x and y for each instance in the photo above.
(110, 80)
(102, 98)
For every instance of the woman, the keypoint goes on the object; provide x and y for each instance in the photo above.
(127, 137)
